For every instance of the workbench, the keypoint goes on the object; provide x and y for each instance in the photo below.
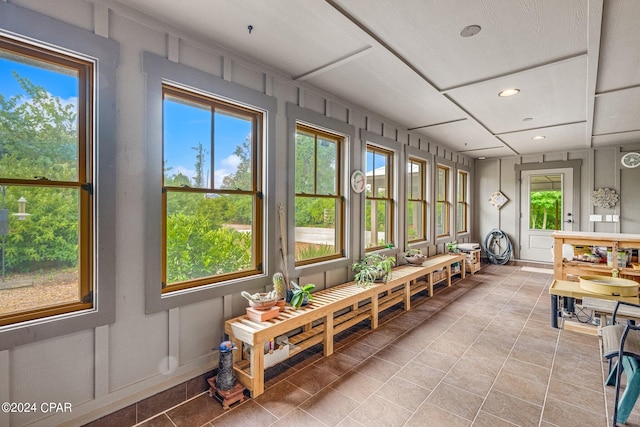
(573, 291)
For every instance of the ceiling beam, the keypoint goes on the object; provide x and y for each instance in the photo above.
(593, 57)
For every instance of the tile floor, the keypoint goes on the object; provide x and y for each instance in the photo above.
(480, 353)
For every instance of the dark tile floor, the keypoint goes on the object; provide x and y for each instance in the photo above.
(480, 353)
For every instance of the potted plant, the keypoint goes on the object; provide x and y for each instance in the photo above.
(373, 267)
(414, 256)
(300, 295)
(452, 247)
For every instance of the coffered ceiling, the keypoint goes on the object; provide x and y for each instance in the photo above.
(575, 62)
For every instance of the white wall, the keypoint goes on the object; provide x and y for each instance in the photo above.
(102, 369)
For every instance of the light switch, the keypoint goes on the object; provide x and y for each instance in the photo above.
(608, 218)
(616, 218)
(594, 218)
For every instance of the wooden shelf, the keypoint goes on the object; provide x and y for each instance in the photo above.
(332, 311)
(568, 269)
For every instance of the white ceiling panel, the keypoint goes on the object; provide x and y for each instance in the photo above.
(558, 138)
(620, 46)
(380, 83)
(461, 136)
(490, 152)
(552, 94)
(515, 34)
(406, 61)
(611, 118)
(285, 36)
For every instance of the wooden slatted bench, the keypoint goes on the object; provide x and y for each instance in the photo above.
(332, 311)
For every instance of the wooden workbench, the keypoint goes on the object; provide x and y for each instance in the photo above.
(567, 289)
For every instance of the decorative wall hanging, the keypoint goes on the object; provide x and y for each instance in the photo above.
(498, 199)
(605, 198)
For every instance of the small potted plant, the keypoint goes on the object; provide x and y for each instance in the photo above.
(414, 256)
(300, 295)
(452, 247)
(373, 267)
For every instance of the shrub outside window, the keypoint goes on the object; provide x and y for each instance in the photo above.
(462, 204)
(443, 206)
(379, 199)
(319, 207)
(212, 199)
(416, 200)
(46, 182)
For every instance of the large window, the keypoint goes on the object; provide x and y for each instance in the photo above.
(319, 207)
(379, 199)
(212, 196)
(443, 206)
(416, 200)
(462, 202)
(46, 184)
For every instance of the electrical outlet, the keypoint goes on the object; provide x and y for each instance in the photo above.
(616, 218)
(608, 218)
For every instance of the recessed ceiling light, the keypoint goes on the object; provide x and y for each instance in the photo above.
(537, 137)
(470, 30)
(509, 92)
(481, 158)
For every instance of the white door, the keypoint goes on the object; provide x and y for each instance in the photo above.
(547, 198)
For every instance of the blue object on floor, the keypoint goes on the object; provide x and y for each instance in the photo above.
(631, 392)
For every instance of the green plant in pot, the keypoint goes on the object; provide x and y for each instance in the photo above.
(373, 267)
(301, 295)
(452, 247)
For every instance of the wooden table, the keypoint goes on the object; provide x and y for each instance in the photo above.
(331, 311)
(572, 290)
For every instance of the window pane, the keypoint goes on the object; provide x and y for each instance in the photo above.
(38, 119)
(414, 180)
(415, 223)
(232, 151)
(187, 143)
(377, 223)
(545, 202)
(208, 234)
(442, 183)
(327, 162)
(317, 227)
(461, 214)
(441, 219)
(376, 174)
(461, 217)
(305, 163)
(40, 234)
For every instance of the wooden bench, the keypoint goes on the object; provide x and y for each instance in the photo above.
(332, 311)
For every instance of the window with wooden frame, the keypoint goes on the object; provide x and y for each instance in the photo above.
(443, 205)
(319, 203)
(416, 200)
(462, 203)
(46, 182)
(379, 209)
(212, 197)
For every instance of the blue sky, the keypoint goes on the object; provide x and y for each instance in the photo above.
(63, 86)
(188, 126)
